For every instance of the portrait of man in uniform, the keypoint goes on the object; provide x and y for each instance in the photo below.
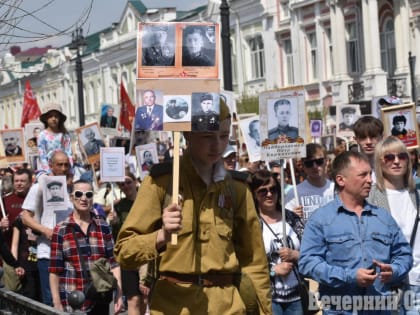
(284, 125)
(55, 191)
(149, 116)
(205, 112)
(158, 45)
(194, 50)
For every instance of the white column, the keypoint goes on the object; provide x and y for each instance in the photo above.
(371, 45)
(402, 35)
(338, 38)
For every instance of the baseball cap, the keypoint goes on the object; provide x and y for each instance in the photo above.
(228, 151)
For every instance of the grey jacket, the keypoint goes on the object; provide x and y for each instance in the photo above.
(378, 198)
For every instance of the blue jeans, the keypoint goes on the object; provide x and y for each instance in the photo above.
(290, 308)
(44, 277)
(410, 300)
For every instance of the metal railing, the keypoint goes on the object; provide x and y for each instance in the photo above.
(12, 303)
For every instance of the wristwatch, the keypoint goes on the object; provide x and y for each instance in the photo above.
(273, 271)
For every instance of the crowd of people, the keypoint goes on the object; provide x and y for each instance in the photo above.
(350, 226)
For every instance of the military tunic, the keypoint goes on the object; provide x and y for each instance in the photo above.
(215, 238)
(289, 131)
(205, 121)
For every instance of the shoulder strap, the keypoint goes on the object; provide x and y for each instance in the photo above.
(416, 222)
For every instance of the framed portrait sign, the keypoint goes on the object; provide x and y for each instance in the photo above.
(250, 128)
(328, 142)
(13, 141)
(347, 115)
(91, 141)
(178, 50)
(316, 127)
(400, 121)
(109, 118)
(282, 124)
(147, 156)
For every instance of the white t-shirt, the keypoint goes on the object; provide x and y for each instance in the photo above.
(48, 218)
(310, 197)
(404, 213)
(282, 285)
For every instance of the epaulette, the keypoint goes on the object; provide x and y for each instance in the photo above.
(160, 169)
(241, 176)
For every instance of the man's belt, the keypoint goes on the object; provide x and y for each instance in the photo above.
(203, 280)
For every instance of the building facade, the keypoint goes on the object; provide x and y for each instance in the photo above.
(340, 51)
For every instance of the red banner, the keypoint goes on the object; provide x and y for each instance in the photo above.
(30, 109)
(127, 109)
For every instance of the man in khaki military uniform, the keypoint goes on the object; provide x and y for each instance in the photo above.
(219, 234)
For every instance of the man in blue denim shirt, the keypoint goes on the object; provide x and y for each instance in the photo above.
(355, 250)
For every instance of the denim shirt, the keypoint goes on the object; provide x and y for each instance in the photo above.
(336, 243)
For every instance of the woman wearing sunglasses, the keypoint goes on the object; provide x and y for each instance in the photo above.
(395, 191)
(282, 258)
(82, 232)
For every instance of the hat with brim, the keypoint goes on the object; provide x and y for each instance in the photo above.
(54, 183)
(228, 151)
(49, 108)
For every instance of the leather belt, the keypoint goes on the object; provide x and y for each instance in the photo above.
(203, 280)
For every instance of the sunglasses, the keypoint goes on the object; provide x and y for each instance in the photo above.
(310, 163)
(79, 194)
(264, 191)
(390, 157)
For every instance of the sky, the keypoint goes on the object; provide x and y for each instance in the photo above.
(60, 16)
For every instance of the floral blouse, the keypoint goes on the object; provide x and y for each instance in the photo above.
(48, 142)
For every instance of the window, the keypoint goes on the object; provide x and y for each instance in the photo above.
(388, 58)
(353, 56)
(330, 52)
(256, 46)
(313, 51)
(288, 52)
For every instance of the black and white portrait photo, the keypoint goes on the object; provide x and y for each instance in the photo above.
(198, 46)
(283, 119)
(158, 45)
(177, 108)
(316, 127)
(205, 112)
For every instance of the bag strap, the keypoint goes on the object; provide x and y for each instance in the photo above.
(416, 222)
(82, 259)
(297, 275)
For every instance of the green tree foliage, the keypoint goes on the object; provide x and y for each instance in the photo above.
(247, 104)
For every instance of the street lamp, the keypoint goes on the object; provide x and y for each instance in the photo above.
(225, 33)
(79, 43)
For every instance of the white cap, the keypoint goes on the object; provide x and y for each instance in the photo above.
(228, 151)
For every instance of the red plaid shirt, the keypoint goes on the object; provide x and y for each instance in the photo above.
(65, 259)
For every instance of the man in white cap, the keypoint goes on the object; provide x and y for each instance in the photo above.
(229, 158)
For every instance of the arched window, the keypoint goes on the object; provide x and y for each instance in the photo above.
(388, 58)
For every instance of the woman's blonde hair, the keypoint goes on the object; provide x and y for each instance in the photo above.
(391, 144)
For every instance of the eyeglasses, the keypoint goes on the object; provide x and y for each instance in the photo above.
(264, 191)
(127, 182)
(310, 163)
(390, 157)
(79, 194)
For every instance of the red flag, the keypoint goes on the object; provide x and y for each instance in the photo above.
(30, 109)
(127, 109)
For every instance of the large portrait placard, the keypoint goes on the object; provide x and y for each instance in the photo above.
(282, 124)
(178, 50)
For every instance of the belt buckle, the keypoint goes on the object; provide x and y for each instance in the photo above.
(200, 281)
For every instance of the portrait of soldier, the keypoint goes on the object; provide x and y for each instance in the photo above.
(194, 52)
(282, 111)
(55, 191)
(205, 116)
(93, 145)
(158, 47)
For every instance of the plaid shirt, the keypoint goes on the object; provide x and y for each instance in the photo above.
(65, 259)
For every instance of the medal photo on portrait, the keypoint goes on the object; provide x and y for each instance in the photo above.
(149, 111)
(158, 45)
